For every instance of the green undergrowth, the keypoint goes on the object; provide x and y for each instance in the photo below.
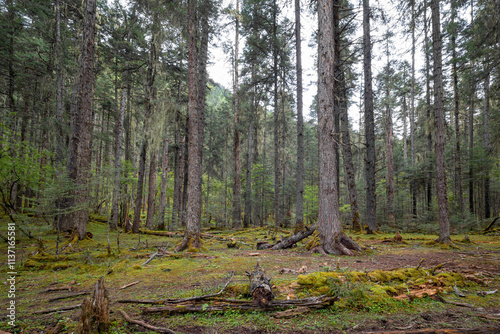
(363, 294)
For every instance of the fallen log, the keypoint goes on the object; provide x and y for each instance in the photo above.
(220, 305)
(146, 325)
(260, 286)
(490, 225)
(290, 241)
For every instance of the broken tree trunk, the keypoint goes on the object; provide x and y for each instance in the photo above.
(260, 286)
(289, 242)
(95, 313)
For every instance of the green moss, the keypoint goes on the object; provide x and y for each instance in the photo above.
(379, 276)
(238, 289)
(137, 267)
(59, 266)
(33, 264)
(450, 279)
(317, 279)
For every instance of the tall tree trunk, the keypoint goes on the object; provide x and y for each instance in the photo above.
(118, 161)
(195, 133)
(83, 122)
(163, 186)
(487, 146)
(152, 190)
(236, 107)
(299, 209)
(428, 106)
(332, 239)
(276, 119)
(389, 144)
(412, 110)
(370, 160)
(441, 188)
(456, 100)
(347, 156)
(471, 125)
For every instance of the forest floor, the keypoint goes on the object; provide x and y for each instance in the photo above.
(391, 286)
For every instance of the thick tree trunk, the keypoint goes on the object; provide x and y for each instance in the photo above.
(118, 161)
(195, 133)
(299, 207)
(163, 186)
(329, 225)
(81, 137)
(441, 188)
(370, 159)
(151, 190)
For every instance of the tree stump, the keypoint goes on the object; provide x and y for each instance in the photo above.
(95, 313)
(260, 287)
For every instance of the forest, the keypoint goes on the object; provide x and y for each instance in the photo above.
(123, 161)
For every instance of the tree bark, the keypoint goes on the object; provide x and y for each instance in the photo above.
(441, 188)
(276, 120)
(81, 137)
(329, 225)
(299, 207)
(195, 133)
(412, 111)
(140, 186)
(118, 162)
(389, 143)
(370, 159)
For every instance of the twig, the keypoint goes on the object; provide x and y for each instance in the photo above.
(69, 296)
(59, 288)
(143, 324)
(128, 285)
(150, 259)
(420, 263)
(57, 309)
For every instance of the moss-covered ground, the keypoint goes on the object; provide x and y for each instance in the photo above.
(389, 286)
